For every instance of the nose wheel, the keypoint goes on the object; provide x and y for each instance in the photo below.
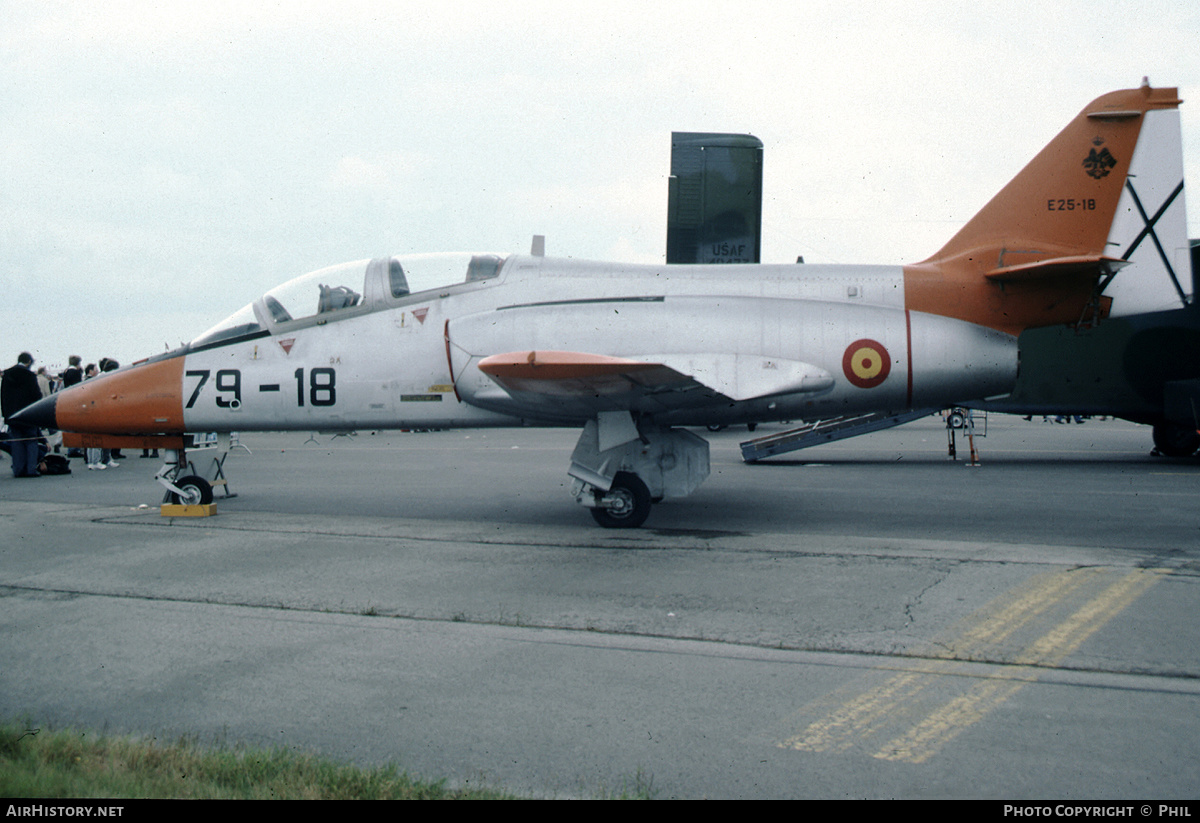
(193, 491)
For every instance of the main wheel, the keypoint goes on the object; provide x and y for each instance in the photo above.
(632, 503)
(1174, 440)
(196, 491)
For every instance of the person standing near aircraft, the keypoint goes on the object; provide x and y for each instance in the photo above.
(48, 384)
(97, 458)
(18, 389)
(107, 364)
(71, 375)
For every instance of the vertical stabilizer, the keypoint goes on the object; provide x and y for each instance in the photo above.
(1047, 248)
(714, 204)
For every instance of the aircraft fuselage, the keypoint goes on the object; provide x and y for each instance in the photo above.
(633, 352)
(412, 361)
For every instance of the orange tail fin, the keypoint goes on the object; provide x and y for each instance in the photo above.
(1043, 251)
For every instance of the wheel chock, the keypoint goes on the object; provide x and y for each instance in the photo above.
(181, 510)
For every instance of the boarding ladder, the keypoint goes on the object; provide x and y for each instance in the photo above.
(825, 431)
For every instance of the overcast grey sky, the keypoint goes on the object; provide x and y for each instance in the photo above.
(166, 162)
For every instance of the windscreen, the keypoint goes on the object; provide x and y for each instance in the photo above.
(238, 324)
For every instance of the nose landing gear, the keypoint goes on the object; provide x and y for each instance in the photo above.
(180, 477)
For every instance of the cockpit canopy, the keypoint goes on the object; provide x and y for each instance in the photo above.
(365, 284)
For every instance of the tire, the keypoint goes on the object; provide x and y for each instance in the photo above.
(715, 427)
(956, 420)
(635, 503)
(196, 491)
(1174, 440)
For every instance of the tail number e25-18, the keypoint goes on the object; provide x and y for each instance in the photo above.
(320, 388)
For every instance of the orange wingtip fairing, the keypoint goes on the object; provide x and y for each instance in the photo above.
(145, 399)
(557, 365)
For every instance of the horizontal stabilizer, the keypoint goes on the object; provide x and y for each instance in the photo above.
(1080, 264)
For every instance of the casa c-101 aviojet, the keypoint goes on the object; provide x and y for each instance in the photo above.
(633, 353)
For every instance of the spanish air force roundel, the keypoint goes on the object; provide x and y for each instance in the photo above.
(866, 363)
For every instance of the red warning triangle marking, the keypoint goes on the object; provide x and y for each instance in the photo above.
(286, 345)
(420, 315)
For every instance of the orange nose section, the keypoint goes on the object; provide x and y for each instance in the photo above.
(145, 399)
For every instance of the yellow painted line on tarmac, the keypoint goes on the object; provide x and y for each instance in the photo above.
(894, 705)
(855, 719)
(1067, 636)
(997, 621)
(924, 740)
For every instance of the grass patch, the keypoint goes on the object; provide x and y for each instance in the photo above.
(69, 763)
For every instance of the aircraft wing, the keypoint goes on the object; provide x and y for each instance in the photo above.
(581, 383)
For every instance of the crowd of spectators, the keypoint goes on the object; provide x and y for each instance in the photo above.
(36, 452)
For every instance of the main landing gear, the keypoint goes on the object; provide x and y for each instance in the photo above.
(621, 467)
(625, 505)
(1176, 440)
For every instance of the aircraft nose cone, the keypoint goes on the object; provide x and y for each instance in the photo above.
(41, 415)
(142, 399)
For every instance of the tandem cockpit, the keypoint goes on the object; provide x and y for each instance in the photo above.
(349, 289)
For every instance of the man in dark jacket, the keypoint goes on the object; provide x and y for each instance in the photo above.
(19, 388)
(73, 373)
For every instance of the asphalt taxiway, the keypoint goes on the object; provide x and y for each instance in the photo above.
(862, 619)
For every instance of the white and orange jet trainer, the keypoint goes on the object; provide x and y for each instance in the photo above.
(632, 352)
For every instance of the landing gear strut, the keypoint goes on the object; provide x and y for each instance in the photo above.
(181, 487)
(621, 467)
(182, 479)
